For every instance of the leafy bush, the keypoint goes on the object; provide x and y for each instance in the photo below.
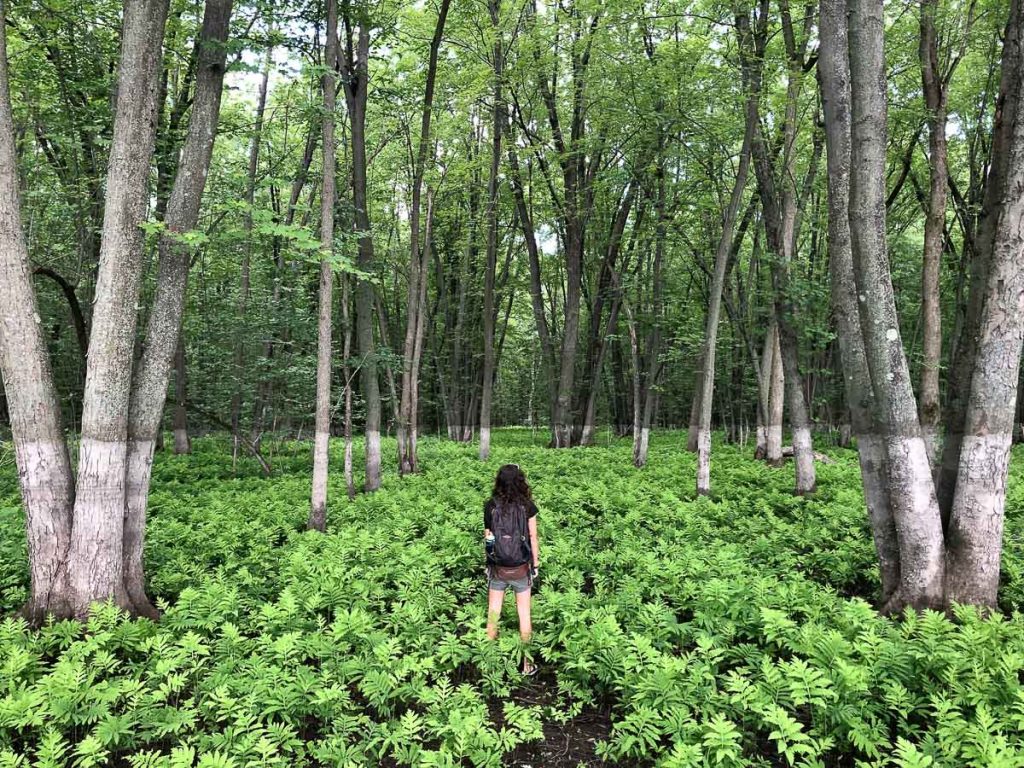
(734, 630)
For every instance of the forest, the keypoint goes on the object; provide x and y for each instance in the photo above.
(737, 285)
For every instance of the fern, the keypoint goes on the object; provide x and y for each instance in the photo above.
(712, 630)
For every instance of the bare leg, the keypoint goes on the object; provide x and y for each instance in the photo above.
(525, 625)
(494, 600)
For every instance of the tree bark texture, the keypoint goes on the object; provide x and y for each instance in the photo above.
(419, 259)
(163, 329)
(776, 400)
(324, 358)
(355, 76)
(912, 495)
(974, 536)
(935, 91)
(96, 554)
(833, 71)
(44, 469)
(722, 255)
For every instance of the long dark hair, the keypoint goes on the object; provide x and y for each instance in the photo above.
(510, 487)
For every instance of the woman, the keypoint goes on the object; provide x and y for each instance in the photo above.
(513, 552)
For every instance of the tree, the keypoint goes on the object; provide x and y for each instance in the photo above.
(79, 556)
(324, 357)
(751, 77)
(355, 75)
(152, 374)
(995, 321)
(576, 199)
(833, 72)
(938, 562)
(419, 259)
(497, 126)
(781, 208)
(938, 63)
(245, 273)
(44, 467)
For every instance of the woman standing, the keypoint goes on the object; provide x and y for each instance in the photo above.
(513, 551)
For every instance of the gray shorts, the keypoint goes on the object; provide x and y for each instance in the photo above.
(519, 586)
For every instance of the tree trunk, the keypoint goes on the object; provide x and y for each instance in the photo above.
(961, 367)
(96, 561)
(574, 211)
(974, 538)
(912, 495)
(322, 436)
(647, 392)
(497, 125)
(833, 70)
(245, 279)
(418, 263)
(764, 384)
(781, 213)
(348, 374)
(163, 330)
(640, 440)
(776, 400)
(355, 77)
(934, 228)
(421, 327)
(44, 469)
(536, 286)
(722, 255)
(800, 422)
(182, 443)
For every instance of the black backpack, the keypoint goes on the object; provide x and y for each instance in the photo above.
(511, 536)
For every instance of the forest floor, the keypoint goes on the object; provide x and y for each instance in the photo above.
(671, 630)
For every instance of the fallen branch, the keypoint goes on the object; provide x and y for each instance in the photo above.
(248, 444)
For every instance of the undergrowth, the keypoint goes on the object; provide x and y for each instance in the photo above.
(735, 630)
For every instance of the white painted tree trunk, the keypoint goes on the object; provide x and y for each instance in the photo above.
(976, 524)
(493, 182)
(706, 391)
(912, 492)
(163, 331)
(641, 437)
(96, 554)
(764, 385)
(324, 358)
(833, 68)
(355, 56)
(44, 470)
(348, 373)
(776, 399)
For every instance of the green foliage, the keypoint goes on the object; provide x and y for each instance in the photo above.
(724, 631)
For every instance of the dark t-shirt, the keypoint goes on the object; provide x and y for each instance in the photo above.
(489, 507)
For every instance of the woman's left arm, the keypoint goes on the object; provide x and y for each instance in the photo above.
(534, 543)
